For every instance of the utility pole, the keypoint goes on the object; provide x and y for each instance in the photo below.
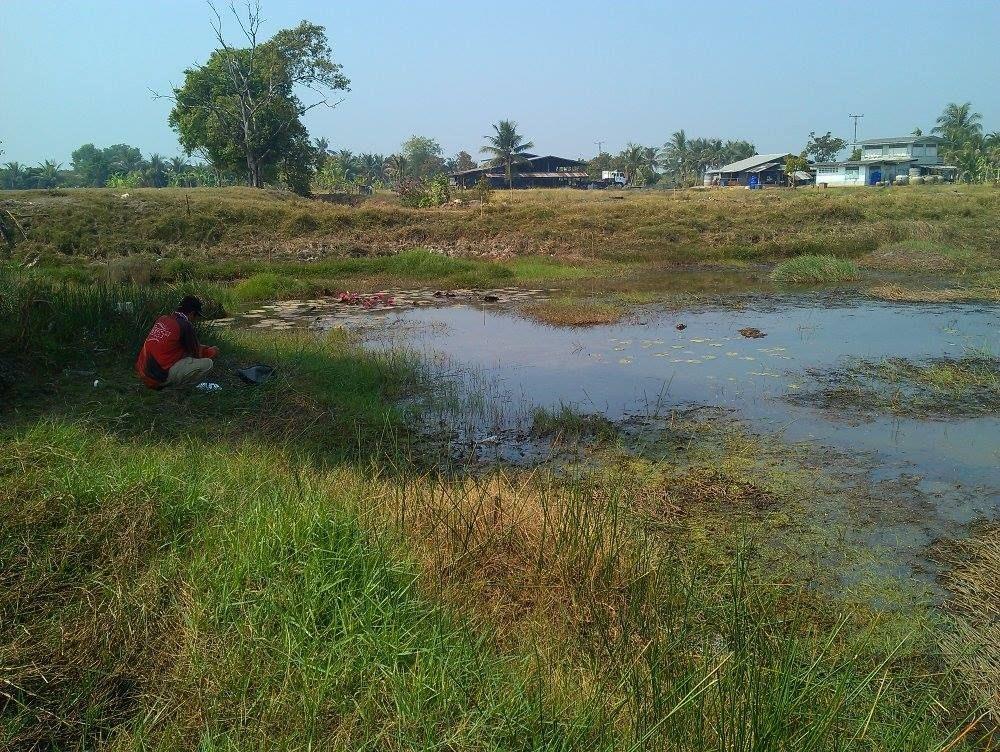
(600, 147)
(856, 119)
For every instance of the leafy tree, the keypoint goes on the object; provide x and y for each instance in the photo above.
(507, 147)
(241, 108)
(916, 132)
(91, 165)
(423, 155)
(855, 154)
(599, 164)
(824, 148)
(464, 161)
(793, 165)
(124, 158)
(484, 191)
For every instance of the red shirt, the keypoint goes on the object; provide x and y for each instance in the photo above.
(171, 338)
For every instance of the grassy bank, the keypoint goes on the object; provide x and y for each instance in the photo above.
(272, 568)
(229, 233)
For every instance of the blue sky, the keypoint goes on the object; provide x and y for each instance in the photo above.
(569, 73)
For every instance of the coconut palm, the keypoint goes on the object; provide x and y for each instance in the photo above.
(396, 168)
(154, 172)
(348, 164)
(959, 118)
(47, 175)
(13, 175)
(632, 159)
(676, 154)
(507, 146)
(650, 160)
(372, 167)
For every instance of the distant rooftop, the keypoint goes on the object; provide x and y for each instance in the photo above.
(911, 139)
(749, 163)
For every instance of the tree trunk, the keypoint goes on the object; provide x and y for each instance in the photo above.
(254, 177)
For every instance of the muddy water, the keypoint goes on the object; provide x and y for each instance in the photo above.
(648, 365)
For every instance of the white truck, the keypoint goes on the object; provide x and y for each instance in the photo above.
(613, 178)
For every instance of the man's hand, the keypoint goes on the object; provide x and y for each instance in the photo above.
(211, 352)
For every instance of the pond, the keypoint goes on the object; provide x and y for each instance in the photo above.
(648, 365)
(507, 364)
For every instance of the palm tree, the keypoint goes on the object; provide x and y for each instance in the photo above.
(48, 174)
(650, 159)
(959, 118)
(632, 159)
(507, 147)
(372, 167)
(13, 175)
(348, 163)
(676, 154)
(155, 172)
(396, 167)
(960, 127)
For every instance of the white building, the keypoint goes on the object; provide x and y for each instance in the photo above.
(883, 159)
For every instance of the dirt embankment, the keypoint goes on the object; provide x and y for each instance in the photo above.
(960, 225)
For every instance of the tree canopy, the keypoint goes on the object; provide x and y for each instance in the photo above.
(824, 148)
(241, 109)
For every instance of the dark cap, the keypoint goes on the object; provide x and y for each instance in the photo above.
(190, 304)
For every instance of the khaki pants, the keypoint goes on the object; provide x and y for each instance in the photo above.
(188, 372)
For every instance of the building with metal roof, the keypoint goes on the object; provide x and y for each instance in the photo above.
(757, 171)
(532, 171)
(887, 160)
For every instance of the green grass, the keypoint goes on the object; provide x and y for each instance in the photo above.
(270, 568)
(569, 423)
(814, 269)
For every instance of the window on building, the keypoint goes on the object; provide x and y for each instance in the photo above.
(852, 172)
(826, 170)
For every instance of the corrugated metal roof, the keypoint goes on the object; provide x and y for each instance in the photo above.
(899, 140)
(749, 163)
(764, 167)
(563, 174)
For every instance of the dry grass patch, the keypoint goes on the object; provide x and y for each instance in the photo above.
(575, 312)
(974, 586)
(902, 294)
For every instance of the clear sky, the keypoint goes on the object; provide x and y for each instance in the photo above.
(569, 72)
